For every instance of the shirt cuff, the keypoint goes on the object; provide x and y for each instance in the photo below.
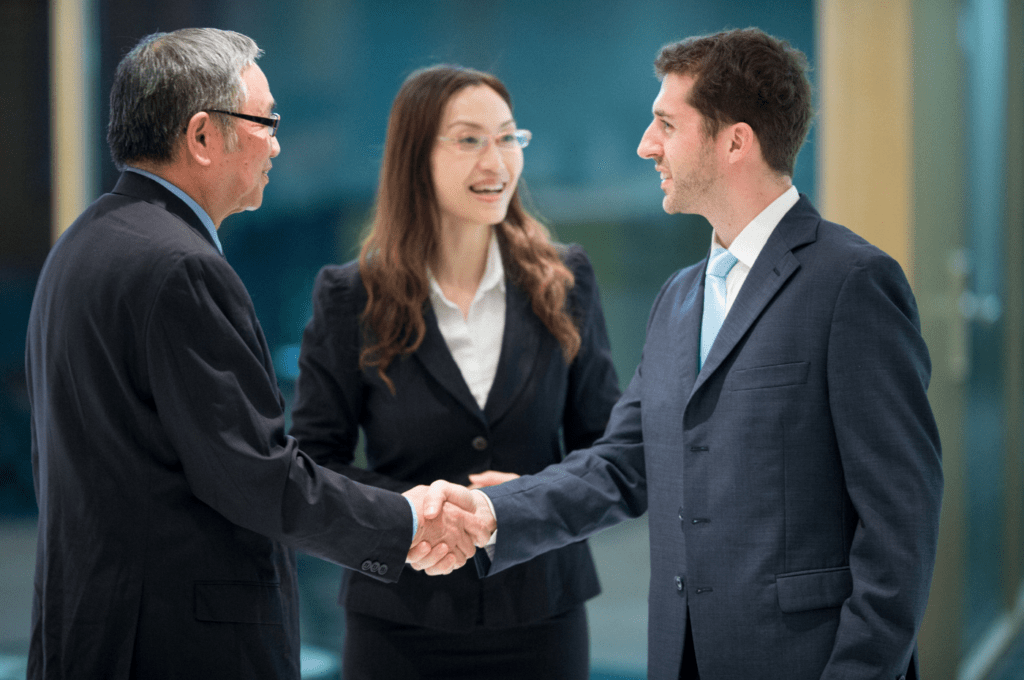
(491, 544)
(415, 519)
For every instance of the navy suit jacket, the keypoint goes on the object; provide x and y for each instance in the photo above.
(793, 484)
(433, 428)
(169, 496)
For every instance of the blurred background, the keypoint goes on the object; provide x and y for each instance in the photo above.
(918, 146)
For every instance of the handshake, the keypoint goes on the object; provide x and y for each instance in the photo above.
(453, 522)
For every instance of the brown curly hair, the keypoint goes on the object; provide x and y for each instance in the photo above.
(404, 234)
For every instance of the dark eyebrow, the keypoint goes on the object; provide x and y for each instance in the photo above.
(478, 126)
(660, 113)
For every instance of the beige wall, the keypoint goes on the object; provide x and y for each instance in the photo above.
(864, 121)
(72, 111)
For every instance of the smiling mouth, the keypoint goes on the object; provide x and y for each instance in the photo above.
(488, 189)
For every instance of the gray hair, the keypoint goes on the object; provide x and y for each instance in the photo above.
(165, 80)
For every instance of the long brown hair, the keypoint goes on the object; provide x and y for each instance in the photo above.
(405, 231)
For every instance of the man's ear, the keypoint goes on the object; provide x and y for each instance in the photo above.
(202, 138)
(741, 141)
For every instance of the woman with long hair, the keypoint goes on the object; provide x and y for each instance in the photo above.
(468, 347)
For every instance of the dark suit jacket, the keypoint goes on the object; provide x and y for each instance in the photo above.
(169, 495)
(793, 484)
(432, 428)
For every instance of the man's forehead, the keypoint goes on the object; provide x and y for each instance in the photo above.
(661, 103)
(257, 86)
(672, 96)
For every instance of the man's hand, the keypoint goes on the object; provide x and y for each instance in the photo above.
(452, 521)
(490, 478)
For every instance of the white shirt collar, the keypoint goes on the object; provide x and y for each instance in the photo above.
(748, 244)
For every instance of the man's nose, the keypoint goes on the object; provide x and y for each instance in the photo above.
(648, 148)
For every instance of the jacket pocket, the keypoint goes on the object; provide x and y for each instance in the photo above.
(819, 589)
(238, 602)
(761, 377)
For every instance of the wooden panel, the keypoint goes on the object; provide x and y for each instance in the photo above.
(864, 121)
(71, 117)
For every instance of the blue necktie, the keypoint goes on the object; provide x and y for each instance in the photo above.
(720, 265)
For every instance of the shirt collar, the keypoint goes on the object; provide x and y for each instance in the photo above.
(494, 274)
(203, 217)
(748, 244)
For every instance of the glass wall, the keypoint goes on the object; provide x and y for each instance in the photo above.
(983, 41)
(992, 33)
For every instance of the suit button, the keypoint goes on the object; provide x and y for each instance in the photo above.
(479, 443)
(366, 565)
(375, 567)
(679, 583)
(382, 570)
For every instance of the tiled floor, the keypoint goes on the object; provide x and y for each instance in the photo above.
(618, 617)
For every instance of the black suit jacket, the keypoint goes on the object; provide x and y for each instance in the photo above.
(432, 428)
(793, 483)
(169, 495)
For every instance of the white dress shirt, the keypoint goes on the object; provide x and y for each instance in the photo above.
(475, 340)
(748, 244)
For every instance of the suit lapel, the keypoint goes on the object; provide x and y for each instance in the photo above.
(519, 346)
(687, 327)
(774, 266)
(437, 360)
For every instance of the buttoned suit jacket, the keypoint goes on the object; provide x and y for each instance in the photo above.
(433, 428)
(793, 484)
(169, 496)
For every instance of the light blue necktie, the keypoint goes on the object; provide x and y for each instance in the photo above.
(721, 264)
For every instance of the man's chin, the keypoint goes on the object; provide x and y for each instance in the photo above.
(254, 204)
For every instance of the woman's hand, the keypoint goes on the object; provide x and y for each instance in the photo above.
(490, 478)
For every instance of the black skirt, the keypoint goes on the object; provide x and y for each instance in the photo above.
(376, 649)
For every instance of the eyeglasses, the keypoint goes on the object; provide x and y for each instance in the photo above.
(516, 139)
(271, 122)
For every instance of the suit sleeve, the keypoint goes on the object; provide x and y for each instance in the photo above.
(328, 393)
(592, 489)
(878, 373)
(215, 389)
(593, 382)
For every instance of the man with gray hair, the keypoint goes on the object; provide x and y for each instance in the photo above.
(170, 498)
